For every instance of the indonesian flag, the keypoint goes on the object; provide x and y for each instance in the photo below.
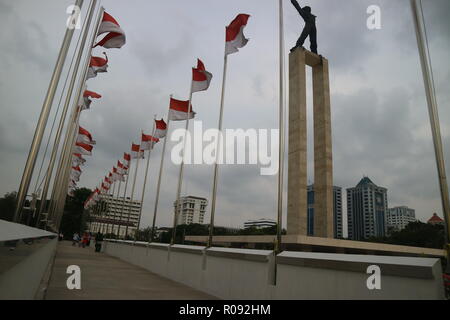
(126, 159)
(76, 170)
(107, 182)
(85, 102)
(72, 184)
(75, 173)
(136, 152)
(121, 168)
(115, 37)
(105, 187)
(235, 38)
(200, 77)
(84, 136)
(178, 110)
(161, 128)
(147, 142)
(117, 176)
(83, 148)
(95, 196)
(77, 159)
(97, 65)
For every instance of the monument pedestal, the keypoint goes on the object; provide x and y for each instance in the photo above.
(323, 163)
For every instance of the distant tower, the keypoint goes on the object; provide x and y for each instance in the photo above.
(366, 210)
(191, 209)
(399, 217)
(323, 162)
(337, 211)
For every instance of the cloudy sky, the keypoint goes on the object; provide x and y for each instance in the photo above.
(380, 120)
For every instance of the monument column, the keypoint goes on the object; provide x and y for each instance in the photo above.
(297, 175)
(323, 161)
(323, 164)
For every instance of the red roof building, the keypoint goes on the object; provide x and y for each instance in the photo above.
(435, 219)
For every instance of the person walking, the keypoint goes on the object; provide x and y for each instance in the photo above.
(75, 239)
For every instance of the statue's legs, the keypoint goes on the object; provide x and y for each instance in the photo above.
(303, 37)
(313, 40)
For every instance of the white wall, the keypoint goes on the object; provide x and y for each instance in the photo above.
(248, 274)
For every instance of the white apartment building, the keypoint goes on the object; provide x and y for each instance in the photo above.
(191, 210)
(397, 218)
(115, 216)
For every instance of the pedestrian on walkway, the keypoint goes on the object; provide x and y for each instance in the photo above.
(75, 239)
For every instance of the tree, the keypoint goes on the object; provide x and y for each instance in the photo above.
(416, 234)
(8, 205)
(72, 220)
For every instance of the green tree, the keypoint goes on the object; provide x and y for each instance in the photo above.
(416, 234)
(73, 220)
(8, 205)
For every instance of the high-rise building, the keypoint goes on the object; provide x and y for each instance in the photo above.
(397, 218)
(191, 209)
(366, 210)
(337, 211)
(260, 223)
(116, 215)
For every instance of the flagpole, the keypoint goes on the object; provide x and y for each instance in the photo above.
(77, 117)
(132, 190)
(72, 131)
(281, 137)
(145, 177)
(42, 122)
(110, 225)
(115, 207)
(161, 167)
(62, 121)
(124, 198)
(180, 176)
(216, 165)
(425, 59)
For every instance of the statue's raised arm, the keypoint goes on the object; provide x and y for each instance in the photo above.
(299, 9)
(309, 29)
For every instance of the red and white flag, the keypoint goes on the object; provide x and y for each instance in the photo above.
(121, 168)
(136, 152)
(83, 148)
(235, 38)
(72, 184)
(161, 128)
(96, 197)
(107, 181)
(117, 176)
(148, 141)
(97, 65)
(115, 37)
(105, 188)
(84, 136)
(126, 159)
(77, 159)
(85, 102)
(75, 173)
(200, 77)
(178, 110)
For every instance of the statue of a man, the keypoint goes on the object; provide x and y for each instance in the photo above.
(309, 29)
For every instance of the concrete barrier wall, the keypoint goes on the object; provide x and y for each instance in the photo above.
(249, 274)
(23, 280)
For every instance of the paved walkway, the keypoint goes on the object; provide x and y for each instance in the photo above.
(107, 278)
